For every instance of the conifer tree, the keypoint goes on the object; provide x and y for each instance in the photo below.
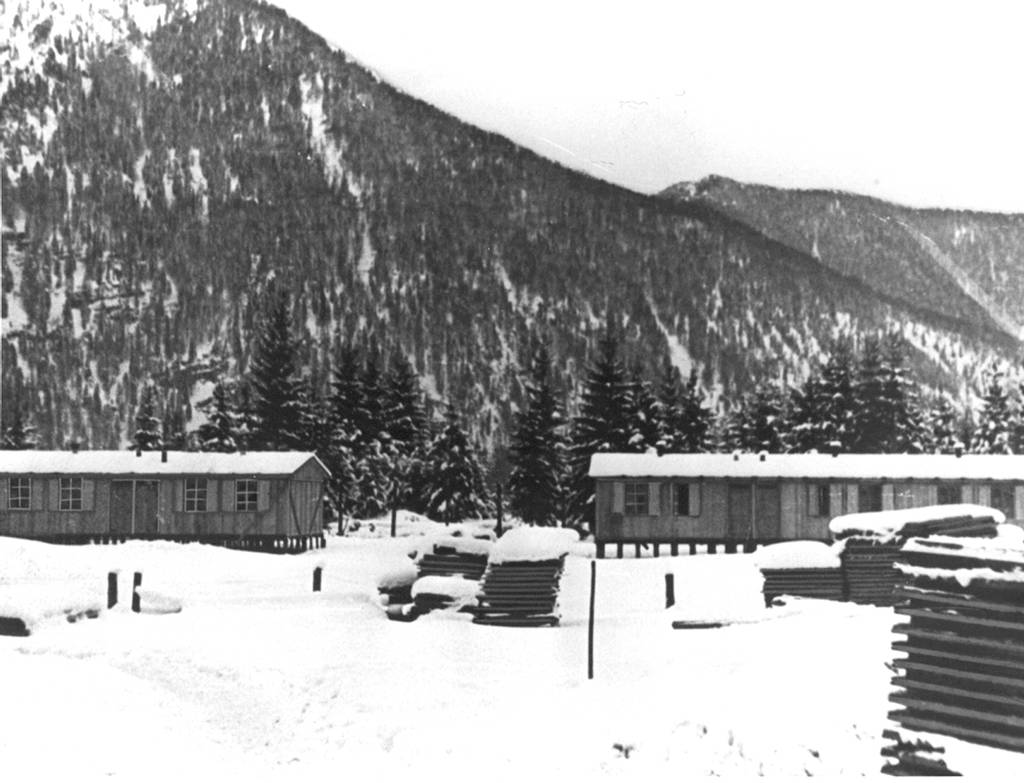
(643, 412)
(455, 481)
(759, 423)
(148, 426)
(345, 401)
(537, 452)
(696, 418)
(838, 401)
(19, 435)
(873, 420)
(218, 432)
(944, 427)
(995, 420)
(806, 414)
(406, 425)
(277, 393)
(602, 424)
(900, 403)
(669, 407)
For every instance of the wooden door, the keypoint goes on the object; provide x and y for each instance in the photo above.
(146, 496)
(740, 516)
(769, 511)
(121, 499)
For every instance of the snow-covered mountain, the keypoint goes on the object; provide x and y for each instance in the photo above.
(163, 161)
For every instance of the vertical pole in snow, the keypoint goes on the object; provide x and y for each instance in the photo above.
(498, 526)
(136, 584)
(317, 573)
(111, 589)
(394, 519)
(590, 623)
(670, 590)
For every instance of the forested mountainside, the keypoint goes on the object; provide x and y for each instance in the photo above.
(164, 161)
(931, 257)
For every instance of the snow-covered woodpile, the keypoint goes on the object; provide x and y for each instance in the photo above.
(808, 569)
(872, 541)
(962, 671)
(455, 556)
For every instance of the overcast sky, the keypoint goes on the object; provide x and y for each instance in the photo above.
(920, 103)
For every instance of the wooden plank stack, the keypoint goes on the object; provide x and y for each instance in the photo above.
(824, 583)
(963, 671)
(869, 573)
(447, 561)
(520, 593)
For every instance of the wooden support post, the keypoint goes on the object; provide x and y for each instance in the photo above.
(670, 590)
(693, 547)
(657, 550)
(317, 574)
(712, 548)
(600, 551)
(111, 589)
(618, 548)
(394, 520)
(674, 548)
(730, 548)
(136, 600)
(590, 622)
(499, 524)
(637, 550)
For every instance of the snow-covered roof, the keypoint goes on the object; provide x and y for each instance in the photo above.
(120, 463)
(893, 522)
(941, 467)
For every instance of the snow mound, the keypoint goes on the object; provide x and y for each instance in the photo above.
(402, 574)
(34, 604)
(797, 554)
(456, 589)
(890, 524)
(697, 600)
(1009, 534)
(151, 602)
(531, 544)
(465, 546)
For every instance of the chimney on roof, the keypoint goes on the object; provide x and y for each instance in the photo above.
(163, 455)
(74, 447)
(835, 447)
(958, 449)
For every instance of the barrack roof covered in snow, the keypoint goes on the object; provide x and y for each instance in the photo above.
(989, 467)
(150, 463)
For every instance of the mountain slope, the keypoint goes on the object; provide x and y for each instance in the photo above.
(966, 264)
(163, 166)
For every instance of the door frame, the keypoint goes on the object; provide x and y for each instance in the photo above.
(135, 482)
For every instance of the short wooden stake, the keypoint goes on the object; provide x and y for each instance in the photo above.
(317, 573)
(590, 622)
(111, 589)
(136, 584)
(670, 590)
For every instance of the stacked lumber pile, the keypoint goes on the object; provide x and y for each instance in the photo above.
(449, 560)
(808, 569)
(872, 541)
(520, 593)
(962, 674)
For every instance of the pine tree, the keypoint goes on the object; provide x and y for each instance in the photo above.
(536, 478)
(696, 418)
(455, 486)
(806, 417)
(759, 423)
(602, 424)
(218, 432)
(19, 435)
(643, 412)
(406, 425)
(173, 425)
(945, 427)
(670, 412)
(900, 404)
(995, 420)
(874, 418)
(838, 401)
(277, 393)
(342, 406)
(148, 426)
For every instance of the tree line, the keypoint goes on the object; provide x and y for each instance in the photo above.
(383, 450)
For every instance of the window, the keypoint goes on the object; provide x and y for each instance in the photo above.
(948, 494)
(686, 500)
(19, 494)
(70, 494)
(1002, 499)
(636, 496)
(819, 498)
(869, 497)
(247, 494)
(195, 494)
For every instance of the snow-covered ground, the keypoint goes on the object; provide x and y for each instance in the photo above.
(261, 677)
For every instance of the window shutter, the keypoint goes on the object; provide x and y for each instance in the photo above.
(37, 494)
(835, 499)
(211, 494)
(179, 495)
(967, 493)
(88, 494)
(618, 497)
(813, 509)
(984, 495)
(5, 487)
(1018, 502)
(694, 509)
(887, 497)
(654, 499)
(227, 495)
(54, 494)
(262, 495)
